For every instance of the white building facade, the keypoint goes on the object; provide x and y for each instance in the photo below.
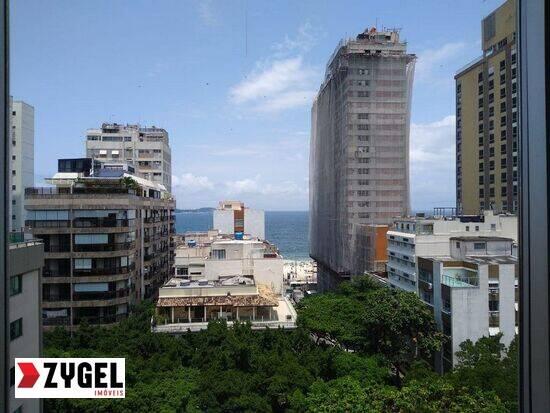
(429, 237)
(146, 149)
(473, 292)
(232, 216)
(22, 160)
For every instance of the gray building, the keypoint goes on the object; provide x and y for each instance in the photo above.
(22, 160)
(359, 152)
(147, 149)
(107, 242)
(473, 292)
(26, 258)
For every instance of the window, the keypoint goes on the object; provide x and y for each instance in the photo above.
(16, 329)
(16, 284)
(479, 245)
(467, 228)
(477, 228)
(218, 254)
(13, 187)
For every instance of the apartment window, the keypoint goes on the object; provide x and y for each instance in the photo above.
(503, 149)
(16, 285)
(13, 202)
(477, 227)
(491, 192)
(503, 134)
(363, 94)
(491, 137)
(218, 254)
(491, 165)
(458, 88)
(481, 167)
(480, 77)
(481, 179)
(16, 329)
(503, 106)
(479, 245)
(13, 187)
(491, 179)
(13, 158)
(503, 162)
(491, 84)
(480, 128)
(492, 151)
(182, 271)
(127, 139)
(502, 64)
(491, 124)
(502, 93)
(480, 103)
(491, 97)
(480, 140)
(503, 177)
(467, 228)
(480, 89)
(363, 138)
(493, 304)
(491, 111)
(503, 121)
(480, 115)
(502, 79)
(481, 154)
(503, 191)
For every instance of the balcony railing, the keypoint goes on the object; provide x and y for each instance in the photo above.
(84, 190)
(56, 297)
(87, 272)
(102, 222)
(47, 224)
(56, 272)
(105, 295)
(460, 281)
(113, 246)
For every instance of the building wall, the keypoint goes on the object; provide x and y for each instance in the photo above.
(487, 128)
(470, 312)
(507, 297)
(26, 259)
(22, 160)
(254, 222)
(224, 221)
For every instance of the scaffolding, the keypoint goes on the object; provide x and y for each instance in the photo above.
(359, 152)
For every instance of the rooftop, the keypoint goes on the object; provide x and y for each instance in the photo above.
(480, 238)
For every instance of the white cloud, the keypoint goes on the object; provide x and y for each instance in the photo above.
(431, 61)
(432, 158)
(189, 183)
(255, 186)
(304, 40)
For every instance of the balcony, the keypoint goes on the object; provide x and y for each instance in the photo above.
(56, 272)
(47, 224)
(57, 248)
(50, 192)
(460, 279)
(105, 295)
(86, 272)
(113, 246)
(56, 321)
(102, 222)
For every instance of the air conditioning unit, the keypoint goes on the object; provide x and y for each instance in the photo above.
(430, 286)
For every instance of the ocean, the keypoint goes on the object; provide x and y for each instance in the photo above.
(288, 230)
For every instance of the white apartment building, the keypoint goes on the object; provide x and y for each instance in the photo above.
(473, 292)
(232, 216)
(22, 160)
(26, 259)
(225, 257)
(218, 277)
(413, 237)
(146, 149)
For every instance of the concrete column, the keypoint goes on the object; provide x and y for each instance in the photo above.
(172, 311)
(237, 313)
(253, 313)
(204, 313)
(220, 316)
(189, 313)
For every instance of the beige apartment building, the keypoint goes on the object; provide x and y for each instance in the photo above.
(146, 149)
(107, 242)
(487, 120)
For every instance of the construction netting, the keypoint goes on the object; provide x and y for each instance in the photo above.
(359, 153)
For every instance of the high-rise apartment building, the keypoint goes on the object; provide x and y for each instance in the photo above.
(146, 149)
(26, 258)
(359, 152)
(487, 119)
(107, 241)
(22, 160)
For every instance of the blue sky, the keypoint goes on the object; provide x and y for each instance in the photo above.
(232, 82)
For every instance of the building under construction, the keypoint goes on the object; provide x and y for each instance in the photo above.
(359, 152)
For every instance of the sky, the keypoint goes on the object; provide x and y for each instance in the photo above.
(232, 81)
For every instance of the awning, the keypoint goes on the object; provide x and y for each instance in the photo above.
(114, 152)
(102, 152)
